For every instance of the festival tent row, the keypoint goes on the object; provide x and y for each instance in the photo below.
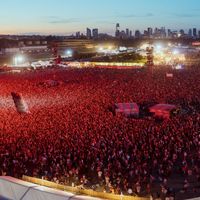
(15, 189)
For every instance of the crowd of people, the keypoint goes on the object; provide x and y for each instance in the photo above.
(71, 137)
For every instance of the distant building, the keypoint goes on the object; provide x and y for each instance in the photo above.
(131, 34)
(174, 34)
(24, 49)
(155, 32)
(37, 42)
(190, 33)
(169, 33)
(163, 32)
(11, 50)
(137, 34)
(95, 33)
(160, 33)
(21, 43)
(44, 42)
(150, 32)
(194, 33)
(34, 49)
(146, 35)
(29, 42)
(88, 33)
(127, 33)
(182, 32)
(123, 35)
(117, 31)
(78, 34)
(104, 36)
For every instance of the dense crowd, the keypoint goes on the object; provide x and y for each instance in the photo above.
(71, 137)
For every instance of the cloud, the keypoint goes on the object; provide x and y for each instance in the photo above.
(59, 20)
(64, 21)
(196, 9)
(186, 15)
(136, 16)
(104, 22)
(30, 33)
(128, 16)
(149, 15)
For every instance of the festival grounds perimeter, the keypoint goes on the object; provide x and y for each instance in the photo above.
(70, 135)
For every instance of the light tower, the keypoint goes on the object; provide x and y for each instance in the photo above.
(56, 57)
(150, 63)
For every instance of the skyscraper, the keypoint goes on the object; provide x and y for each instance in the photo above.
(169, 33)
(123, 35)
(78, 34)
(127, 33)
(95, 33)
(194, 32)
(131, 34)
(182, 33)
(117, 31)
(88, 33)
(190, 33)
(137, 34)
(163, 32)
(150, 31)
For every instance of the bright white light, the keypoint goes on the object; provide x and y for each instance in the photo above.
(144, 46)
(101, 49)
(18, 60)
(178, 66)
(68, 53)
(169, 44)
(159, 47)
(175, 52)
(122, 49)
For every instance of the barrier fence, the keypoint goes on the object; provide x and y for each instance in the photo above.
(115, 65)
(78, 190)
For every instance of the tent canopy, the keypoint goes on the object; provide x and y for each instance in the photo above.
(127, 108)
(162, 110)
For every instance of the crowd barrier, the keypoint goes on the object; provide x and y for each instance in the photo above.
(114, 65)
(78, 190)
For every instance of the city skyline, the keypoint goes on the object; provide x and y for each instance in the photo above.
(67, 16)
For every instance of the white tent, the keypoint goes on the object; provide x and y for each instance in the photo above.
(15, 189)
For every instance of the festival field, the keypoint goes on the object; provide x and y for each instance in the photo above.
(72, 135)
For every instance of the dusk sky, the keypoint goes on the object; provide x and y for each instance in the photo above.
(69, 16)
